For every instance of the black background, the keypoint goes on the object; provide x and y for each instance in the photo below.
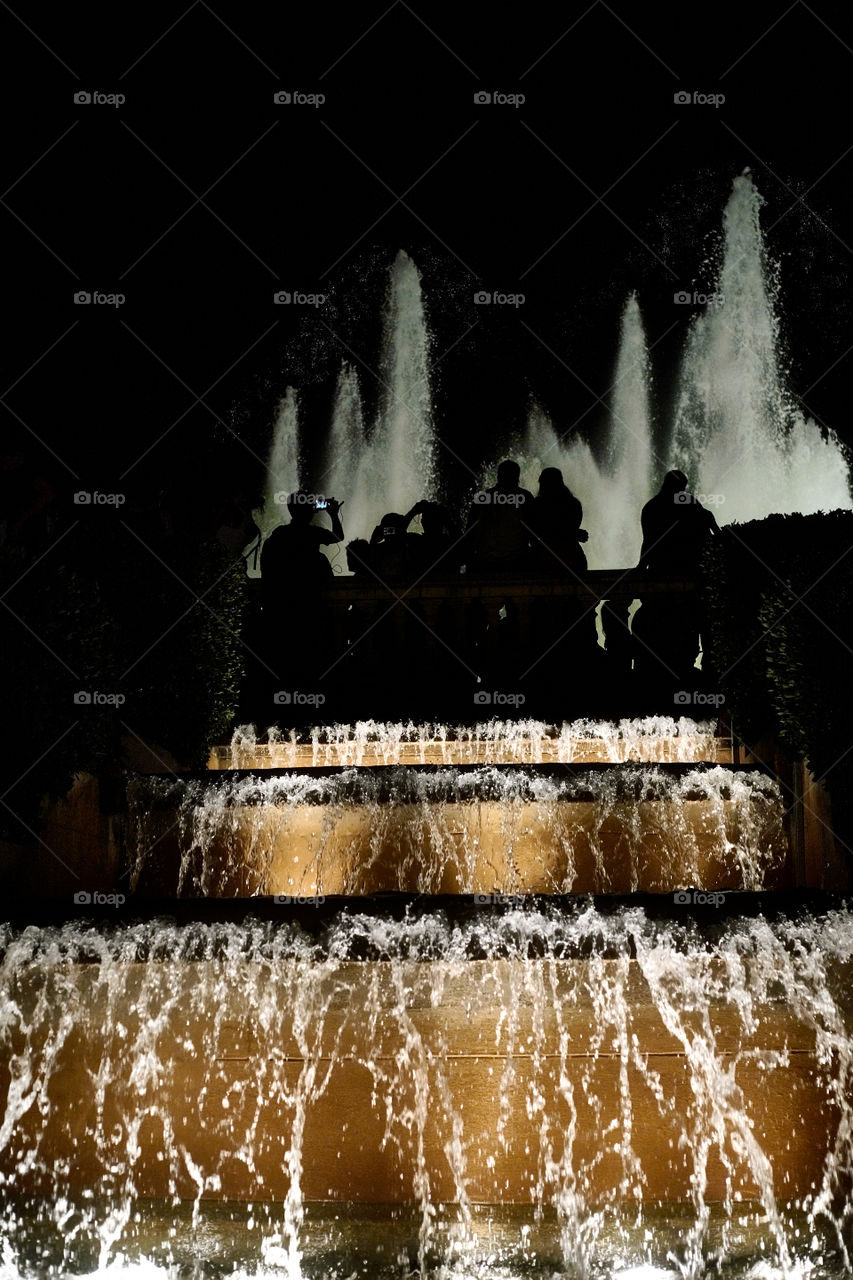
(199, 198)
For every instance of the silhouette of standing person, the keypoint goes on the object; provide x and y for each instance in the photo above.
(555, 523)
(498, 538)
(294, 572)
(675, 529)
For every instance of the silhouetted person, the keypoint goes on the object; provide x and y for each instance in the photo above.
(555, 524)
(497, 538)
(667, 627)
(675, 528)
(292, 559)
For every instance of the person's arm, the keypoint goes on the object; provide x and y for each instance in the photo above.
(415, 511)
(333, 507)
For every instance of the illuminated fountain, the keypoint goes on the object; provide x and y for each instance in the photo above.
(368, 1028)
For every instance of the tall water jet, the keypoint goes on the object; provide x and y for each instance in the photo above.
(612, 491)
(628, 444)
(403, 445)
(394, 465)
(282, 468)
(738, 434)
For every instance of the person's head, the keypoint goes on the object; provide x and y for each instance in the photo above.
(551, 483)
(674, 482)
(509, 473)
(358, 554)
(300, 507)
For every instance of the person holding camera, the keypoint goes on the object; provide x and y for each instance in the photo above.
(292, 556)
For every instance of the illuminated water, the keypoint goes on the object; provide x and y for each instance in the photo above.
(209, 1050)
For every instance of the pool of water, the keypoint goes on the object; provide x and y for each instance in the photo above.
(357, 1242)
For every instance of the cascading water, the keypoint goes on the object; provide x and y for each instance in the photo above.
(540, 1087)
(738, 435)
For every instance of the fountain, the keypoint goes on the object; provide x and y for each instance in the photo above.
(506, 999)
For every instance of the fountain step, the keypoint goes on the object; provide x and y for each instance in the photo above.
(465, 830)
(522, 748)
(352, 1048)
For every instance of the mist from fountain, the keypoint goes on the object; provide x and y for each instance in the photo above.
(282, 475)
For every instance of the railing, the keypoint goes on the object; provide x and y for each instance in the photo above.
(455, 646)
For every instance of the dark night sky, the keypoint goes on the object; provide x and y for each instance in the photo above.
(199, 197)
